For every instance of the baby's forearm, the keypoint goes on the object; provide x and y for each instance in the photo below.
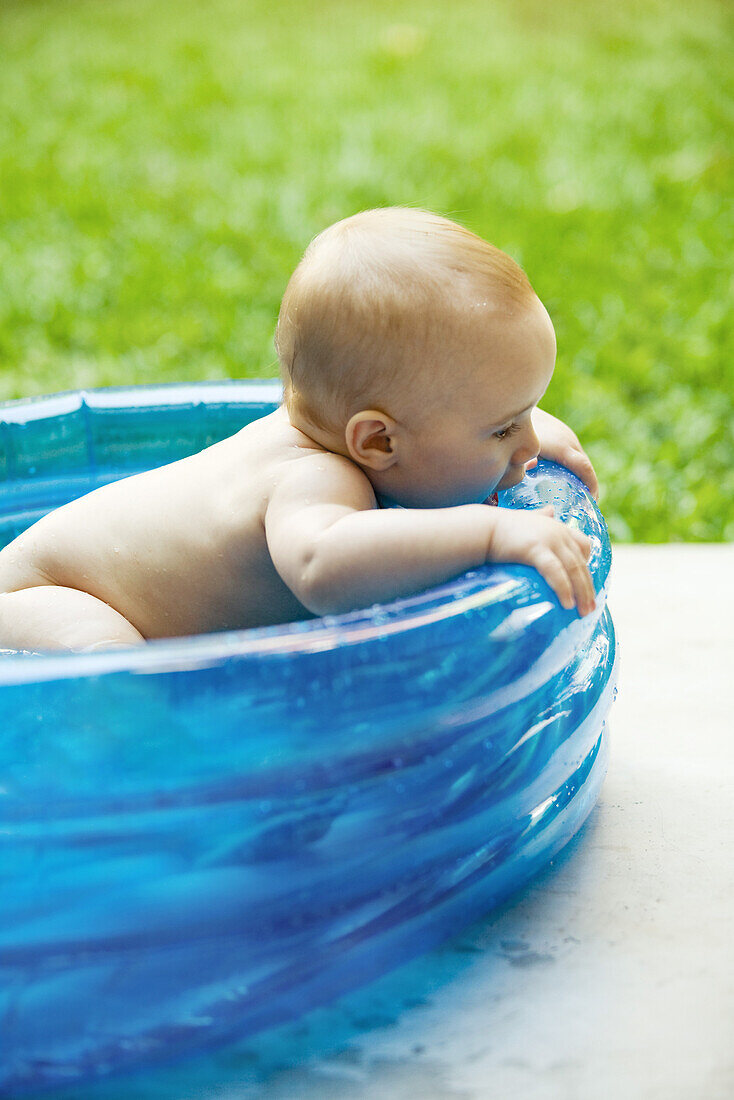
(373, 556)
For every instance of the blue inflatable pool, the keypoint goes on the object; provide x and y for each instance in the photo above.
(211, 835)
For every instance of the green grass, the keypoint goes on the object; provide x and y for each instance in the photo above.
(162, 167)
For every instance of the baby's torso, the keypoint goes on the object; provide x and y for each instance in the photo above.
(176, 550)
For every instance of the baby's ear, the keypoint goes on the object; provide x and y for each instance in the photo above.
(369, 437)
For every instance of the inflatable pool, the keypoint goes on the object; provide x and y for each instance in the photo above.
(211, 835)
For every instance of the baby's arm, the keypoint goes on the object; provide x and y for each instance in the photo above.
(336, 551)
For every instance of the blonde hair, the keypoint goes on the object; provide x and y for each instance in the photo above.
(370, 292)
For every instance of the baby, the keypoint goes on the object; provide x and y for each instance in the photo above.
(413, 356)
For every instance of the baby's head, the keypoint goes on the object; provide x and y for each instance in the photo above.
(419, 350)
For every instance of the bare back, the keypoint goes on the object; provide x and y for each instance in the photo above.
(180, 549)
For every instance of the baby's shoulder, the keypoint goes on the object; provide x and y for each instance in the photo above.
(320, 476)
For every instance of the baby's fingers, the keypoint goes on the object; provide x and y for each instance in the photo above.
(552, 570)
(567, 574)
(576, 459)
(580, 578)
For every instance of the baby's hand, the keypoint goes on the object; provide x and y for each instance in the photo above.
(558, 552)
(559, 444)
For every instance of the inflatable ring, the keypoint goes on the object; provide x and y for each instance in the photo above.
(211, 835)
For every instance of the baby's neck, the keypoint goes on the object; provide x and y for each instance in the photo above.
(320, 437)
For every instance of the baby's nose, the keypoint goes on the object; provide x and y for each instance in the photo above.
(528, 447)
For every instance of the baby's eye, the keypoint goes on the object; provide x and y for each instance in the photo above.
(506, 431)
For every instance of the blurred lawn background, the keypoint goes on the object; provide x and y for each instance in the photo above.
(163, 165)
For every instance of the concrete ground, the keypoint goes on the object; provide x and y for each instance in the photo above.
(610, 978)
